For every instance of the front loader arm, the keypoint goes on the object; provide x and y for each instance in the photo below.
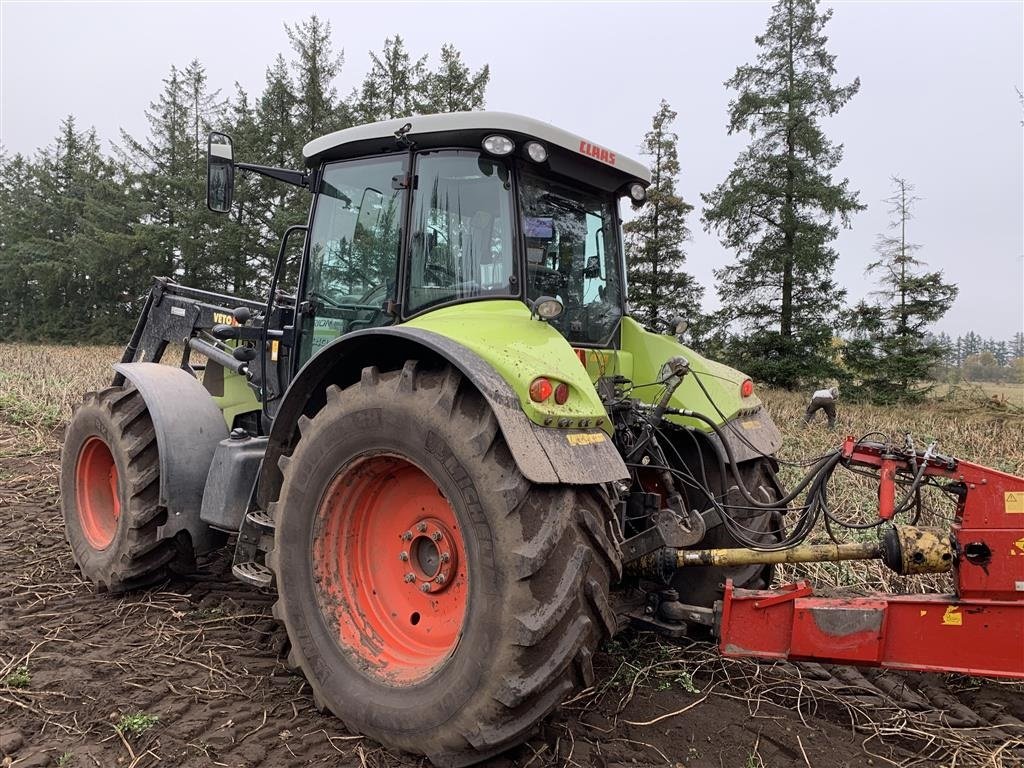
(175, 314)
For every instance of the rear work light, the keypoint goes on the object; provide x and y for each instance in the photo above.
(561, 393)
(747, 388)
(540, 390)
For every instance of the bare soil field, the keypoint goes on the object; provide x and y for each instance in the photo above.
(191, 673)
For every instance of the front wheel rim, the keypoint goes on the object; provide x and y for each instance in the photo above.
(390, 569)
(96, 491)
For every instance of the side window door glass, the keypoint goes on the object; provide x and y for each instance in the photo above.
(461, 234)
(572, 254)
(355, 242)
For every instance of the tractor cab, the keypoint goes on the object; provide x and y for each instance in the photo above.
(416, 214)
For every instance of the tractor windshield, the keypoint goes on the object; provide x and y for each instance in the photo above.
(572, 253)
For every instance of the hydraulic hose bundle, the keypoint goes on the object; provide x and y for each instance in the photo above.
(815, 481)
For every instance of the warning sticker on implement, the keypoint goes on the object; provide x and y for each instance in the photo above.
(581, 438)
(1014, 501)
(952, 617)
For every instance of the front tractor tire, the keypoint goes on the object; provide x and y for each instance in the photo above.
(435, 599)
(110, 495)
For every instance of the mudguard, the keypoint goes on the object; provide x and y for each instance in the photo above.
(188, 427)
(542, 454)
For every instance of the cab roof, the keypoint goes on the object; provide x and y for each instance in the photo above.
(568, 153)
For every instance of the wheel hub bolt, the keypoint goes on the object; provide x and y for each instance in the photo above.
(403, 556)
(440, 578)
(407, 536)
(422, 527)
(410, 577)
(424, 588)
(445, 557)
(436, 535)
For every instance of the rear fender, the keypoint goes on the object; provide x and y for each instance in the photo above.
(188, 426)
(542, 454)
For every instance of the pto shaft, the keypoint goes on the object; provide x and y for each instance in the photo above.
(906, 549)
(807, 553)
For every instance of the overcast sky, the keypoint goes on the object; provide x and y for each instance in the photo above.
(937, 103)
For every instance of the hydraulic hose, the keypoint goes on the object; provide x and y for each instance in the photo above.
(828, 461)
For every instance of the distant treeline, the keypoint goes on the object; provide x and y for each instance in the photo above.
(973, 358)
(83, 232)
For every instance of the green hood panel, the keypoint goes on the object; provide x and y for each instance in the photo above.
(520, 349)
(644, 353)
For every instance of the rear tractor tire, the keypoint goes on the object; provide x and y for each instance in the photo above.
(435, 599)
(704, 585)
(110, 495)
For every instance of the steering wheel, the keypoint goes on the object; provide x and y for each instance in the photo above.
(440, 274)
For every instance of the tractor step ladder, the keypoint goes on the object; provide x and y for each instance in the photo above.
(256, 574)
(254, 540)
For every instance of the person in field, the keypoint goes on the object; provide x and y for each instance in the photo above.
(823, 400)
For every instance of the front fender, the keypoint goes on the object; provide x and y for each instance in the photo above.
(188, 426)
(577, 456)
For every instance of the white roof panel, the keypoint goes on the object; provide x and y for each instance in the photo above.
(481, 121)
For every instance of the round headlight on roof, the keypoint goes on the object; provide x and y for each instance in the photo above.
(497, 144)
(637, 192)
(537, 151)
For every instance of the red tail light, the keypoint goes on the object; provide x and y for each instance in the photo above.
(540, 390)
(747, 388)
(561, 393)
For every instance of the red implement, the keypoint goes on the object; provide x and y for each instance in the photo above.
(978, 630)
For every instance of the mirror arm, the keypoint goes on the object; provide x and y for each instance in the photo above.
(296, 178)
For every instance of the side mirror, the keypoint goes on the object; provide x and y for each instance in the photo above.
(220, 173)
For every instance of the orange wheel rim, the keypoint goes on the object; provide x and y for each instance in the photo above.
(98, 500)
(390, 568)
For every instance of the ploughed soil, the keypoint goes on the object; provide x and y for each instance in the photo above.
(203, 657)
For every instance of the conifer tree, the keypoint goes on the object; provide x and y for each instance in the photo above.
(18, 203)
(891, 353)
(972, 344)
(314, 70)
(396, 85)
(169, 170)
(452, 87)
(778, 208)
(1017, 345)
(66, 243)
(659, 289)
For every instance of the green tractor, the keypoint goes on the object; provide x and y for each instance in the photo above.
(440, 438)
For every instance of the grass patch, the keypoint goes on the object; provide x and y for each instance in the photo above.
(135, 724)
(19, 678)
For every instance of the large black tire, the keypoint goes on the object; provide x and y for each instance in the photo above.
(704, 585)
(112, 525)
(540, 562)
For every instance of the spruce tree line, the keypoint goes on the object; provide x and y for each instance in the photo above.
(83, 232)
(783, 318)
